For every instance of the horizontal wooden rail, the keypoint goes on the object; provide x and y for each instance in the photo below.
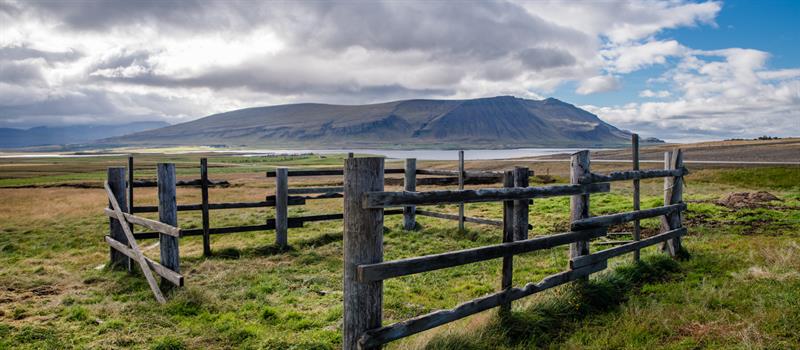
(151, 224)
(636, 175)
(616, 219)
(604, 255)
(390, 269)
(314, 190)
(185, 183)
(434, 214)
(328, 172)
(394, 199)
(213, 206)
(467, 173)
(415, 325)
(161, 270)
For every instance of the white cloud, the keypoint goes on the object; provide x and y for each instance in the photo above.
(181, 60)
(600, 83)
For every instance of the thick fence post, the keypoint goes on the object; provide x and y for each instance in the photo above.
(461, 187)
(363, 244)
(130, 185)
(116, 180)
(410, 182)
(673, 194)
(281, 207)
(579, 204)
(521, 206)
(168, 214)
(508, 236)
(637, 229)
(204, 195)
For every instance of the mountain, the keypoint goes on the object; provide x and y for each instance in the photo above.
(503, 121)
(45, 135)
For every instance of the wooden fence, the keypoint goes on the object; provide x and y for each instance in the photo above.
(365, 270)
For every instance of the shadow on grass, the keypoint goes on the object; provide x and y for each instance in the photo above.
(545, 322)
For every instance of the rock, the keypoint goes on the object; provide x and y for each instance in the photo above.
(747, 199)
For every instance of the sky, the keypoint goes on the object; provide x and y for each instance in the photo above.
(676, 70)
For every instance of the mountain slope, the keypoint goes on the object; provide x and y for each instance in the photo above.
(45, 135)
(502, 121)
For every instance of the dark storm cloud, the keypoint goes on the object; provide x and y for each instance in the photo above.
(542, 58)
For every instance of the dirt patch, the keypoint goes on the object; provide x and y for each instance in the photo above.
(747, 199)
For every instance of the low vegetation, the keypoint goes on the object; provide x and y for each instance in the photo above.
(739, 289)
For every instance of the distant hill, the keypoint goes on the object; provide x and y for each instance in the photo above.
(45, 135)
(502, 121)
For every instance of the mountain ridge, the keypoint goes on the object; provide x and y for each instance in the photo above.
(74, 134)
(502, 121)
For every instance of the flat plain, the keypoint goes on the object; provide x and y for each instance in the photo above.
(739, 289)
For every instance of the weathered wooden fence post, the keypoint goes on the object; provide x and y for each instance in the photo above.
(673, 194)
(410, 182)
(508, 236)
(281, 207)
(168, 214)
(349, 154)
(204, 195)
(521, 206)
(363, 244)
(130, 185)
(116, 180)
(579, 204)
(637, 230)
(461, 175)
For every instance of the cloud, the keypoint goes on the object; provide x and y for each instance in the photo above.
(601, 83)
(180, 60)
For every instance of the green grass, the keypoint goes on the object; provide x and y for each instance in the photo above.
(739, 289)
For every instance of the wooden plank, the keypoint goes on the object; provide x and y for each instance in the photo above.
(635, 175)
(363, 244)
(616, 219)
(116, 181)
(168, 214)
(579, 203)
(461, 187)
(673, 193)
(216, 206)
(159, 227)
(410, 266)
(604, 255)
(204, 198)
(130, 184)
(281, 207)
(507, 274)
(637, 229)
(521, 210)
(612, 242)
(410, 185)
(327, 172)
(393, 199)
(383, 335)
(139, 257)
(314, 190)
(159, 269)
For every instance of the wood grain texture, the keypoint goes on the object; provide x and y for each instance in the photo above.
(579, 203)
(415, 325)
(507, 272)
(363, 244)
(157, 226)
(172, 276)
(134, 248)
(620, 218)
(604, 255)
(281, 207)
(410, 185)
(521, 209)
(168, 214)
(315, 190)
(327, 172)
(410, 266)
(637, 229)
(634, 175)
(116, 181)
(461, 187)
(396, 199)
(205, 214)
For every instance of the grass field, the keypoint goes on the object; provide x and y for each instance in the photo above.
(739, 289)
